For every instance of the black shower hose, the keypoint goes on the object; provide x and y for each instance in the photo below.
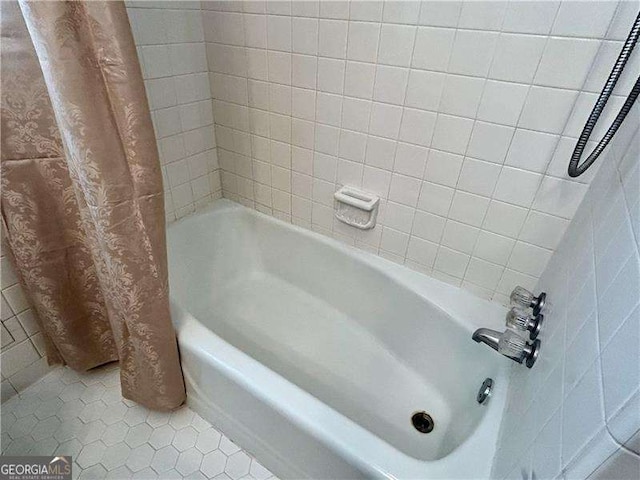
(575, 168)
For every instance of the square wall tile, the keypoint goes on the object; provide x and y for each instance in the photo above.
(432, 48)
(472, 51)
(443, 168)
(468, 208)
(363, 41)
(332, 38)
(478, 177)
(396, 44)
(517, 57)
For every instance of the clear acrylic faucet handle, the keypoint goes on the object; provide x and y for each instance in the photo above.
(512, 345)
(523, 298)
(517, 319)
(520, 319)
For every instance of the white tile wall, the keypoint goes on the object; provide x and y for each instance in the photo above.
(581, 402)
(460, 115)
(22, 352)
(170, 40)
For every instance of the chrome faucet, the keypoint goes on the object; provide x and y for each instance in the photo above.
(509, 344)
(488, 337)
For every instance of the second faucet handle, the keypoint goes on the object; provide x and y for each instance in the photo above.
(518, 319)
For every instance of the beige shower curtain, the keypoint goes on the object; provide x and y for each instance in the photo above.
(82, 198)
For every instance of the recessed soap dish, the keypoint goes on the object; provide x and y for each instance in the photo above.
(356, 208)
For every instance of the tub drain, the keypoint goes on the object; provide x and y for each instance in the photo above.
(422, 422)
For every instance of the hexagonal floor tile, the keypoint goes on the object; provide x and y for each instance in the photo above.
(69, 376)
(120, 473)
(46, 446)
(185, 439)
(112, 395)
(140, 458)
(26, 406)
(171, 475)
(5, 440)
(138, 435)
(70, 409)
(164, 459)
(157, 419)
(48, 408)
(135, 415)
(213, 463)
(96, 472)
(91, 454)
(91, 431)
(71, 447)
(115, 456)
(197, 475)
(72, 392)
(189, 461)
(93, 393)
(115, 433)
(90, 378)
(7, 418)
(237, 465)
(114, 413)
(23, 426)
(19, 446)
(162, 436)
(223, 476)
(92, 411)
(228, 447)
(46, 428)
(208, 440)
(199, 423)
(68, 429)
(112, 379)
(50, 390)
(145, 474)
(257, 471)
(181, 418)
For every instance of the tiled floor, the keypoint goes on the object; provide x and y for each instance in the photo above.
(85, 416)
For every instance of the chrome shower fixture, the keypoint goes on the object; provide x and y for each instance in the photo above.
(522, 320)
(518, 349)
(509, 344)
(523, 298)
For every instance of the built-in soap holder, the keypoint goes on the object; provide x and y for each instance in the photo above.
(356, 208)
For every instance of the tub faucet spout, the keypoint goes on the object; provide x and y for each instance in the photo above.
(488, 337)
(509, 344)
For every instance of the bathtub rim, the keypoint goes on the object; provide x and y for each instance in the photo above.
(471, 313)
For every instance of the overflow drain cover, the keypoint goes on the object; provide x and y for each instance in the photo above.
(422, 422)
(485, 391)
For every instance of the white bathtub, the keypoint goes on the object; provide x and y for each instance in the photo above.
(314, 355)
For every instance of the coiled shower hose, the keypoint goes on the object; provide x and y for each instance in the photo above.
(575, 168)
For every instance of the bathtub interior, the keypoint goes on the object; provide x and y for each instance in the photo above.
(340, 329)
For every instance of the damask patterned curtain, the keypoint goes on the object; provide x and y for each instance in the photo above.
(82, 198)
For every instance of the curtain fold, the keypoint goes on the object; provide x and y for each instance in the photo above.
(82, 194)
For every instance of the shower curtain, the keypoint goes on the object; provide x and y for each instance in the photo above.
(82, 198)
